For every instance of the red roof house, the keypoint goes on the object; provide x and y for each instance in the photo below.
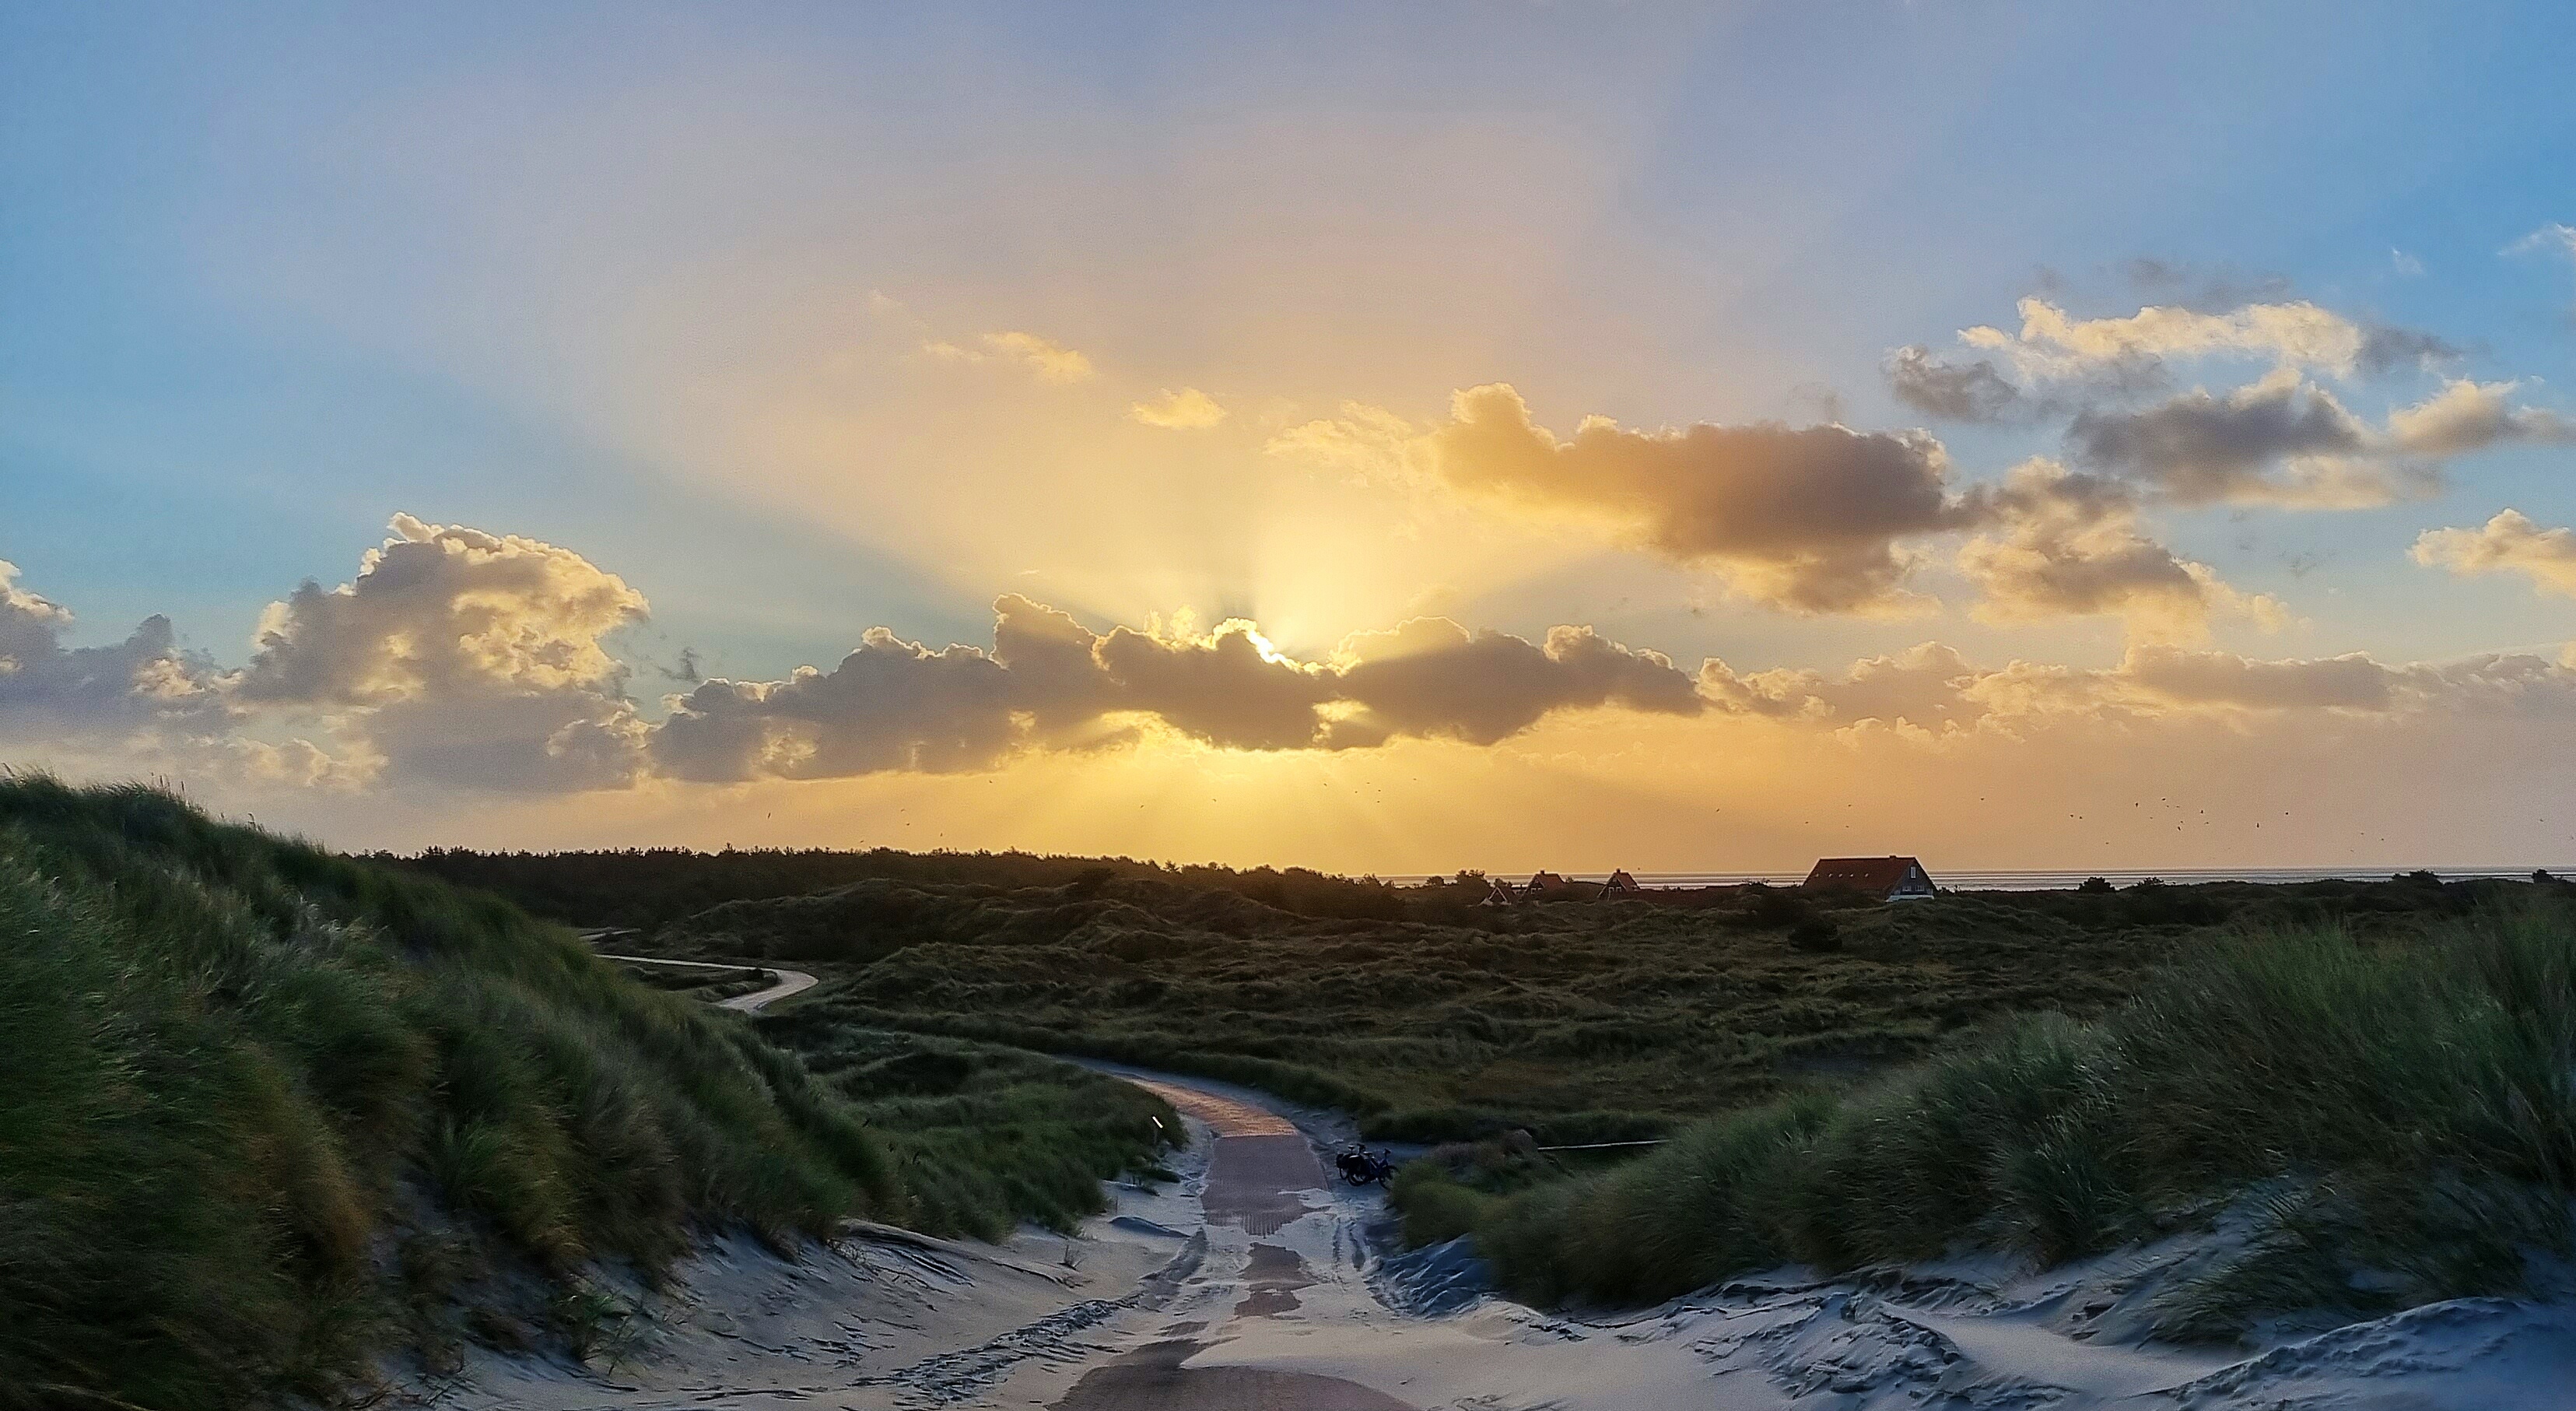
(1887, 878)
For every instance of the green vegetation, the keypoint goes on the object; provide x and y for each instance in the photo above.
(2365, 1083)
(1581, 1021)
(266, 1111)
(2384, 1123)
(707, 985)
(645, 887)
(985, 1136)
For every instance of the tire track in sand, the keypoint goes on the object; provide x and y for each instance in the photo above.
(1257, 1177)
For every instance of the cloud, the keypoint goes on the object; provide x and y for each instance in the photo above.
(2471, 416)
(1924, 685)
(1432, 677)
(889, 706)
(1229, 688)
(2051, 345)
(2508, 543)
(2553, 236)
(1804, 519)
(2204, 291)
(2384, 347)
(1971, 391)
(2285, 441)
(144, 681)
(2101, 366)
(141, 705)
(2070, 545)
(1049, 360)
(1050, 683)
(2549, 237)
(461, 657)
(459, 660)
(1188, 409)
(1363, 444)
(2281, 440)
(1813, 520)
(2278, 441)
(1934, 691)
(2224, 679)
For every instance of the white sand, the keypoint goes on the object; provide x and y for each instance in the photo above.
(1288, 1320)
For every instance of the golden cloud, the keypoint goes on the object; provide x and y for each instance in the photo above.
(1050, 360)
(1187, 409)
(2508, 543)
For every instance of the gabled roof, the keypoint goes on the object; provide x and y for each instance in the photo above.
(1875, 875)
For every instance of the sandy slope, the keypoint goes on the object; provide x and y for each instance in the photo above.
(883, 1319)
(1249, 1286)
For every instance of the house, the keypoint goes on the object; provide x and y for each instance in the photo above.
(1889, 878)
(1556, 886)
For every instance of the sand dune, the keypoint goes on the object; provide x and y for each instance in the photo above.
(1251, 1286)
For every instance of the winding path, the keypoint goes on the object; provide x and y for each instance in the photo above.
(790, 982)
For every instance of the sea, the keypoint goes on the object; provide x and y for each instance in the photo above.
(2047, 881)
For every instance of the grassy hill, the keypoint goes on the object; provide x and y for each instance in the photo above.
(2367, 1080)
(267, 1112)
(2385, 1122)
(1584, 1021)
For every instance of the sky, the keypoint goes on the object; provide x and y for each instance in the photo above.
(1379, 438)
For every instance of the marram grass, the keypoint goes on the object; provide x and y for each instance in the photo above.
(2391, 1124)
(268, 1113)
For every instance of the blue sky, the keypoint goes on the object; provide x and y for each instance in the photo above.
(702, 296)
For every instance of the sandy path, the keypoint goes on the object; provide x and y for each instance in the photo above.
(1153, 1379)
(1261, 1164)
(1262, 1177)
(1287, 1315)
(1247, 1285)
(790, 982)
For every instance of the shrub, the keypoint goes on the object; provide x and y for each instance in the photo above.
(1435, 1207)
(1816, 935)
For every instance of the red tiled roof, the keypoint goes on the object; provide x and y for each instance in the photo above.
(1875, 875)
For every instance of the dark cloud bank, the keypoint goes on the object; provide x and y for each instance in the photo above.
(459, 659)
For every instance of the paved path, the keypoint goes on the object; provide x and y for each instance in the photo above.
(790, 982)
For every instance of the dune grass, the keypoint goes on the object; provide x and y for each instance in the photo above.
(2383, 1124)
(1582, 1022)
(267, 1112)
(985, 1136)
